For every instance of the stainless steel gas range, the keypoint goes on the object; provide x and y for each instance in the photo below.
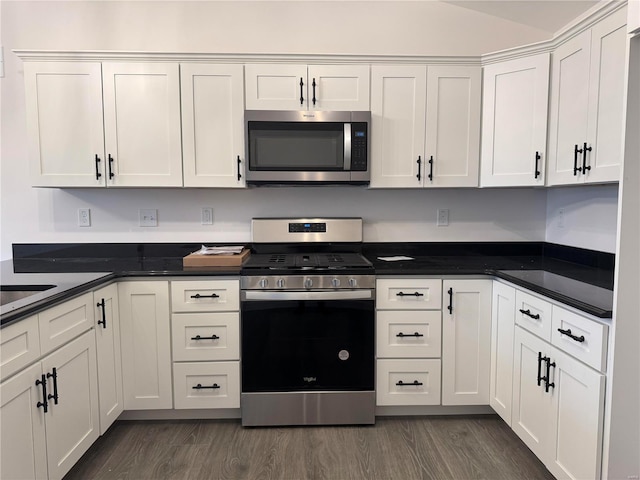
(308, 322)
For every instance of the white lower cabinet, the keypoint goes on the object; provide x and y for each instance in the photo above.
(466, 342)
(558, 407)
(206, 384)
(46, 428)
(145, 344)
(408, 382)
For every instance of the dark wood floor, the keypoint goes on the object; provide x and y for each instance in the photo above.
(403, 448)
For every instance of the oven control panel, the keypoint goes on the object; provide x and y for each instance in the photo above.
(319, 227)
(307, 282)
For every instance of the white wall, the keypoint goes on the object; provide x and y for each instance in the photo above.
(406, 28)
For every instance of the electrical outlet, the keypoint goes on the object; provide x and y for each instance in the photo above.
(206, 216)
(443, 217)
(84, 217)
(561, 218)
(148, 217)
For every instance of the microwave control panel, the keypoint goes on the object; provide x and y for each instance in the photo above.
(359, 147)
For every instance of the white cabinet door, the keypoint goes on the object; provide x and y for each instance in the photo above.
(72, 422)
(212, 125)
(146, 344)
(398, 100)
(569, 109)
(19, 346)
(532, 406)
(633, 16)
(338, 87)
(64, 122)
(577, 419)
(109, 356)
(142, 124)
(276, 87)
(466, 342)
(606, 121)
(22, 436)
(452, 152)
(503, 308)
(514, 122)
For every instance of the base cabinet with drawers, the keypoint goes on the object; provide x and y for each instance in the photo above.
(205, 336)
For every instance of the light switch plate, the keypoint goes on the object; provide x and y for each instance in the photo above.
(148, 217)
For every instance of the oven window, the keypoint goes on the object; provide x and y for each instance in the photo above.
(308, 345)
(296, 146)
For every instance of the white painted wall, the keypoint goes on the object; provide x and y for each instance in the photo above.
(397, 27)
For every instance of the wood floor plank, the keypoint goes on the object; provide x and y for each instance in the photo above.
(396, 448)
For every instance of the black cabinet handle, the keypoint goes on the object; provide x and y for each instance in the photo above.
(543, 379)
(450, 307)
(54, 375)
(419, 162)
(548, 385)
(301, 96)
(402, 384)
(98, 174)
(44, 403)
(102, 322)
(200, 386)
(528, 313)
(537, 169)
(569, 334)
(110, 162)
(212, 337)
(576, 168)
(430, 168)
(584, 151)
(414, 294)
(416, 334)
(539, 368)
(239, 164)
(313, 84)
(213, 295)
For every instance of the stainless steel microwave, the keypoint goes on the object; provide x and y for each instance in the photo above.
(307, 147)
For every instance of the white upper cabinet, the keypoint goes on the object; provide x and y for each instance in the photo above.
(302, 87)
(64, 121)
(142, 124)
(633, 16)
(514, 122)
(453, 127)
(425, 126)
(586, 119)
(212, 125)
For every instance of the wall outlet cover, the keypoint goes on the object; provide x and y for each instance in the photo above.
(148, 217)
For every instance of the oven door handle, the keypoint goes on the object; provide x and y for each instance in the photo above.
(250, 295)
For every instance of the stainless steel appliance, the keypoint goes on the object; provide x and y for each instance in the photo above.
(307, 147)
(307, 324)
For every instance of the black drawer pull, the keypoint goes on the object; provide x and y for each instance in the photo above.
(419, 162)
(200, 386)
(585, 149)
(545, 379)
(537, 171)
(44, 404)
(416, 334)
(539, 368)
(301, 96)
(414, 383)
(102, 322)
(548, 385)
(98, 174)
(414, 294)
(213, 295)
(239, 167)
(528, 313)
(212, 337)
(569, 334)
(111, 174)
(54, 375)
(576, 168)
(450, 307)
(430, 168)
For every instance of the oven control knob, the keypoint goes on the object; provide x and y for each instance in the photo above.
(308, 283)
(335, 282)
(280, 283)
(263, 283)
(353, 283)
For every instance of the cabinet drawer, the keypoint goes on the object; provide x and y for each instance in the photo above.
(66, 321)
(205, 336)
(190, 382)
(533, 314)
(409, 334)
(409, 294)
(205, 296)
(421, 379)
(590, 342)
(19, 346)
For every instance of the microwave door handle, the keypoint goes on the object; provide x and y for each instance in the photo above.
(347, 146)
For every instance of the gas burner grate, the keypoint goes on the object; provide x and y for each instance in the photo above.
(277, 259)
(335, 258)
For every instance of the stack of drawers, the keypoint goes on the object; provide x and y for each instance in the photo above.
(205, 336)
(408, 336)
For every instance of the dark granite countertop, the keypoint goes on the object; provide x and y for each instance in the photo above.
(579, 278)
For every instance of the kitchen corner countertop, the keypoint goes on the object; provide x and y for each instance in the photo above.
(577, 278)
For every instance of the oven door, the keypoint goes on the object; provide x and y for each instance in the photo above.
(308, 341)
